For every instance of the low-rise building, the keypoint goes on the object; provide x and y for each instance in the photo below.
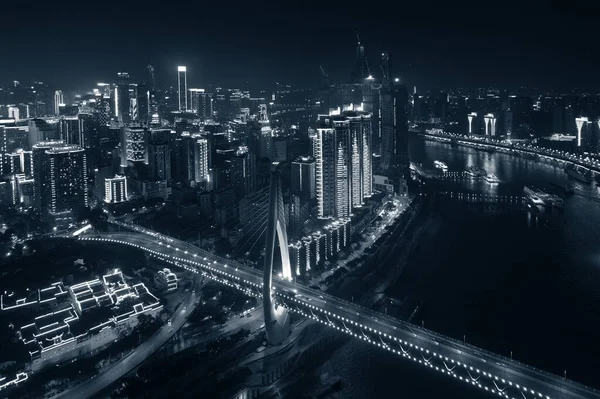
(87, 317)
(165, 280)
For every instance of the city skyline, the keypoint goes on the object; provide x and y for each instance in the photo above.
(447, 46)
(299, 200)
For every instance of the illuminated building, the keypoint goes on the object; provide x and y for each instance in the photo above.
(197, 101)
(352, 159)
(325, 171)
(13, 138)
(394, 131)
(472, 118)
(115, 189)
(42, 184)
(303, 177)
(165, 280)
(133, 145)
(182, 92)
(266, 134)
(122, 98)
(489, 121)
(200, 164)
(82, 318)
(66, 173)
(342, 196)
(59, 100)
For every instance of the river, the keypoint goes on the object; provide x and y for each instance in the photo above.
(503, 281)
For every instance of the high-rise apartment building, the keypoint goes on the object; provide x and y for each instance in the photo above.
(66, 174)
(41, 185)
(325, 170)
(200, 152)
(343, 162)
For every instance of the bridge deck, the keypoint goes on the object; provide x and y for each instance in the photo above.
(474, 366)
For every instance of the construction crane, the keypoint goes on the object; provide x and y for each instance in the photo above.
(325, 76)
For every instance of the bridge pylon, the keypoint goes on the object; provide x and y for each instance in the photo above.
(277, 318)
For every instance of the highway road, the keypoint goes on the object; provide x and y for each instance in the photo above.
(582, 160)
(529, 380)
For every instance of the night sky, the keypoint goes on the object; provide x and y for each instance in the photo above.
(504, 43)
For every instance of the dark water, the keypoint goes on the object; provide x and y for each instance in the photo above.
(504, 280)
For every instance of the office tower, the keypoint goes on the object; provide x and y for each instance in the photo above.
(59, 100)
(182, 93)
(266, 134)
(205, 106)
(200, 158)
(66, 172)
(41, 185)
(152, 100)
(143, 102)
(159, 159)
(68, 127)
(122, 98)
(115, 189)
(394, 132)
(196, 101)
(133, 145)
(386, 68)
(243, 174)
(89, 132)
(360, 71)
(325, 170)
(304, 177)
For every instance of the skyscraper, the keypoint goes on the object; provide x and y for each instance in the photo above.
(303, 177)
(182, 92)
(159, 158)
(394, 132)
(122, 98)
(200, 152)
(152, 101)
(59, 99)
(143, 102)
(41, 183)
(66, 172)
(360, 71)
(325, 168)
(133, 145)
(243, 174)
